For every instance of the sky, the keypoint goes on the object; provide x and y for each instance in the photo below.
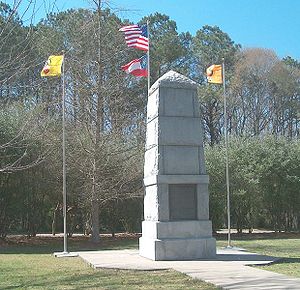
(272, 24)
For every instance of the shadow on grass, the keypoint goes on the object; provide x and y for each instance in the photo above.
(104, 279)
(287, 261)
(80, 282)
(49, 247)
(50, 244)
(258, 236)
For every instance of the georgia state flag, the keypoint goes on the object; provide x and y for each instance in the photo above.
(137, 67)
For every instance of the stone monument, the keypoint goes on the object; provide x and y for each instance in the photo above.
(176, 224)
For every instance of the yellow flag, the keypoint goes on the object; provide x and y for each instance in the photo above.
(214, 74)
(52, 67)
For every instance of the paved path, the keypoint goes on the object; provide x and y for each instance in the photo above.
(228, 270)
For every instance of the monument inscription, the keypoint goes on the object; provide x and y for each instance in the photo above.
(183, 202)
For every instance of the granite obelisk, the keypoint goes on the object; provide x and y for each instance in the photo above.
(176, 222)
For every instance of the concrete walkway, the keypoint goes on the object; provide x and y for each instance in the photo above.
(229, 270)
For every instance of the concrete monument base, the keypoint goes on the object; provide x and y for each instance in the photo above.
(177, 249)
(177, 240)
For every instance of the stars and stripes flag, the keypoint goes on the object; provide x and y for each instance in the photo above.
(137, 67)
(136, 36)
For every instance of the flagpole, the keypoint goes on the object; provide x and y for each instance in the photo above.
(226, 155)
(148, 57)
(65, 252)
(64, 156)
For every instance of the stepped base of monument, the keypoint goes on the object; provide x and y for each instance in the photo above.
(177, 240)
(177, 249)
(190, 229)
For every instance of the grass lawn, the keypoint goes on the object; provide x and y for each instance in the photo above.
(286, 246)
(29, 264)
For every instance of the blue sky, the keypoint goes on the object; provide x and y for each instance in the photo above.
(270, 24)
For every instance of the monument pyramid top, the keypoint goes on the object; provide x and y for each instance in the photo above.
(175, 80)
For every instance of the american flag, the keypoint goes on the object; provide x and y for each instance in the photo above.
(136, 36)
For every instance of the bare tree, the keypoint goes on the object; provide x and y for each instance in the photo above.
(250, 91)
(104, 116)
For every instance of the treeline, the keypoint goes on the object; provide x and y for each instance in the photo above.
(264, 183)
(106, 123)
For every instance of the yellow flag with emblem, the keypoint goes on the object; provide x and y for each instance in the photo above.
(52, 67)
(214, 74)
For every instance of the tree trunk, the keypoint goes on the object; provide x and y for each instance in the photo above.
(95, 222)
(99, 128)
(53, 225)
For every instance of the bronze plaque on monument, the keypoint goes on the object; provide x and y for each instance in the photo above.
(183, 201)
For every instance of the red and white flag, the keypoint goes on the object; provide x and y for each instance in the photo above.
(137, 67)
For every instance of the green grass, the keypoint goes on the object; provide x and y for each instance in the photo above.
(43, 271)
(29, 264)
(25, 266)
(287, 248)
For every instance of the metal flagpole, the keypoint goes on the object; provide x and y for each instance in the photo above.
(64, 157)
(226, 155)
(65, 253)
(148, 57)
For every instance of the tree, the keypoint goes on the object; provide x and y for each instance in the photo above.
(265, 94)
(291, 62)
(264, 183)
(23, 151)
(168, 48)
(104, 119)
(285, 90)
(214, 159)
(210, 46)
(17, 91)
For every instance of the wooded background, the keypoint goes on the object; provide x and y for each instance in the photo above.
(106, 112)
